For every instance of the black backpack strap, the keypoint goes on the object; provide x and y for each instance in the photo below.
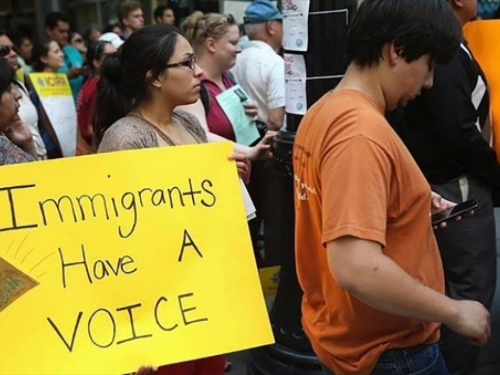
(205, 98)
(205, 95)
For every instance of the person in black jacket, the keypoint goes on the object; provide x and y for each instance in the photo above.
(447, 130)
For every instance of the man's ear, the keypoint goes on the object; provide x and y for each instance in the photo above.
(271, 30)
(456, 4)
(155, 82)
(393, 54)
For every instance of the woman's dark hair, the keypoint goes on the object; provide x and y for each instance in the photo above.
(110, 27)
(7, 76)
(40, 50)
(72, 34)
(89, 31)
(416, 28)
(94, 52)
(123, 74)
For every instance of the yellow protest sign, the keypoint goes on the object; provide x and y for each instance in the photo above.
(115, 260)
(54, 92)
(482, 37)
(269, 280)
(51, 84)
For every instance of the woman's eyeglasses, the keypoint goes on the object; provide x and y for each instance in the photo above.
(78, 40)
(4, 50)
(190, 63)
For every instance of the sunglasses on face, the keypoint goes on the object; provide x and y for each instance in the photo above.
(78, 40)
(190, 63)
(4, 50)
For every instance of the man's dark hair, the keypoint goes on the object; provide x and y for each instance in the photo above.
(160, 9)
(53, 18)
(415, 27)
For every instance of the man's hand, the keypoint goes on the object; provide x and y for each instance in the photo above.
(438, 203)
(472, 321)
(251, 109)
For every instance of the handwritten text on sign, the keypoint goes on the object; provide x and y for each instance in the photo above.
(111, 261)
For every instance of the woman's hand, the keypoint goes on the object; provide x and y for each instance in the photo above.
(19, 134)
(242, 164)
(251, 110)
(262, 150)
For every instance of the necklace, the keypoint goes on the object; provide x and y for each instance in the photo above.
(178, 140)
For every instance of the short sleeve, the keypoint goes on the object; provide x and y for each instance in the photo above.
(355, 189)
(276, 87)
(127, 136)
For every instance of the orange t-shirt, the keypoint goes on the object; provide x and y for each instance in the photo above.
(354, 177)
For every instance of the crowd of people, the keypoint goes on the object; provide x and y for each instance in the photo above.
(377, 285)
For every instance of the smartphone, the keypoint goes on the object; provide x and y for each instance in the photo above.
(451, 213)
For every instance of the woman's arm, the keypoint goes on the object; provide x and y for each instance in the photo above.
(260, 151)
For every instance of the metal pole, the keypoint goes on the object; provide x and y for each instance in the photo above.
(325, 64)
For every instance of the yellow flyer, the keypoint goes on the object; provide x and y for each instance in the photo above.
(112, 261)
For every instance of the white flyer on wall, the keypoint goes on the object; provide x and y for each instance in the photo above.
(295, 82)
(295, 15)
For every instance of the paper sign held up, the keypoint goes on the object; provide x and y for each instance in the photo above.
(147, 262)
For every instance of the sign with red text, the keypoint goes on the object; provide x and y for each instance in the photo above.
(112, 261)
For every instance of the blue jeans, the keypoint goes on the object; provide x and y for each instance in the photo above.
(417, 360)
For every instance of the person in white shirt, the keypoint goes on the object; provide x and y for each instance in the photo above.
(260, 71)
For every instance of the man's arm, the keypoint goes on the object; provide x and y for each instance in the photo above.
(276, 97)
(361, 268)
(275, 118)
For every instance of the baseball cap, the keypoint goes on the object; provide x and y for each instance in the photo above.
(113, 38)
(262, 11)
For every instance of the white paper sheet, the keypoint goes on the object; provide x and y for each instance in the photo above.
(295, 25)
(295, 83)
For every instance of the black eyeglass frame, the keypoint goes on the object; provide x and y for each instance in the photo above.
(190, 63)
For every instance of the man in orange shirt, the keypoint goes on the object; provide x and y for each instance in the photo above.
(367, 259)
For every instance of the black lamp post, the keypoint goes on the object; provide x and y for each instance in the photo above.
(325, 63)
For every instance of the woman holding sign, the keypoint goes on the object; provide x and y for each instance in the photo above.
(140, 86)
